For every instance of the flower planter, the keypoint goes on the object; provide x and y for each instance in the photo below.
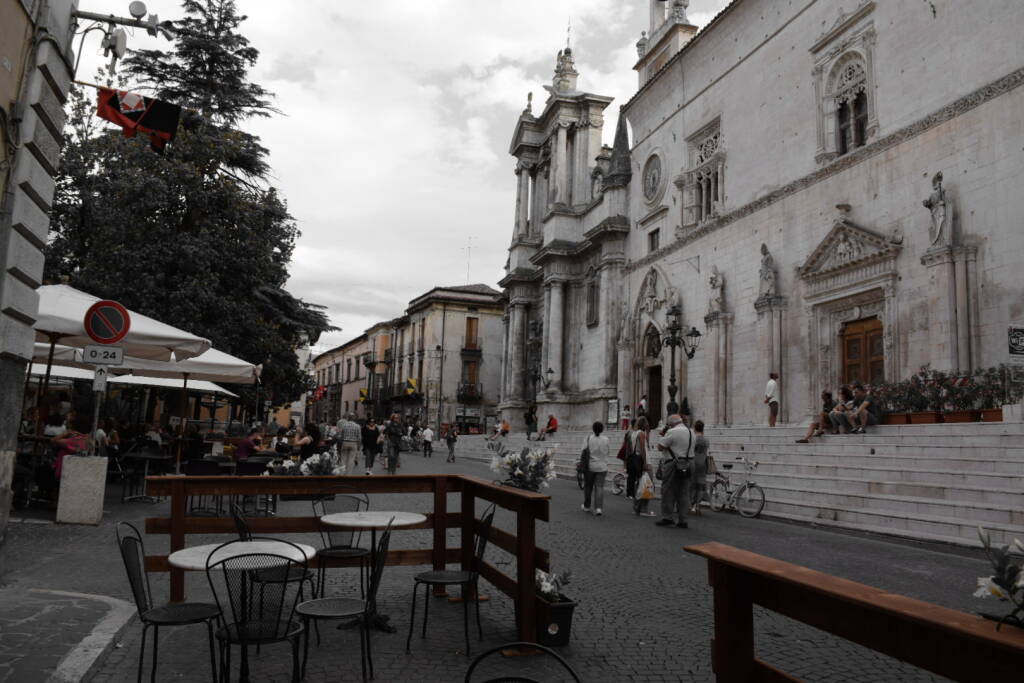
(992, 415)
(925, 418)
(895, 419)
(962, 416)
(554, 621)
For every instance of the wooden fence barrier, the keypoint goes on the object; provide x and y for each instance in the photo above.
(946, 642)
(528, 507)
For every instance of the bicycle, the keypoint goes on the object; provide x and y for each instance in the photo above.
(748, 499)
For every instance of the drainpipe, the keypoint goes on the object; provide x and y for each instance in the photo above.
(440, 382)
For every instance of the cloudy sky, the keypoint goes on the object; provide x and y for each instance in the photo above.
(393, 148)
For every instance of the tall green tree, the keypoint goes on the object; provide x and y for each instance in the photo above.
(196, 237)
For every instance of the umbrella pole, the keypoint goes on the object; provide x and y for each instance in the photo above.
(54, 338)
(181, 427)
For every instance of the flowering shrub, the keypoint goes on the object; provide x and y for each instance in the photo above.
(529, 469)
(934, 390)
(321, 464)
(1007, 583)
(549, 586)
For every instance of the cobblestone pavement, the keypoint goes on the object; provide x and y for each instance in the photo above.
(644, 609)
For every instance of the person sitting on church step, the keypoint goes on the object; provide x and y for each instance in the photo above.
(866, 411)
(840, 415)
(817, 428)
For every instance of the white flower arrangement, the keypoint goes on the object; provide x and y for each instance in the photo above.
(1007, 584)
(321, 464)
(527, 469)
(281, 467)
(549, 586)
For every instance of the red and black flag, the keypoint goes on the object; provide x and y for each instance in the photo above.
(138, 114)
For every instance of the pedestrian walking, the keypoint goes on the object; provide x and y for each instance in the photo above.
(393, 433)
(428, 442)
(531, 421)
(626, 417)
(349, 439)
(450, 437)
(699, 472)
(676, 446)
(771, 397)
(636, 455)
(597, 470)
(371, 437)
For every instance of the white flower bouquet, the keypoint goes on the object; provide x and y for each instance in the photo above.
(321, 464)
(549, 586)
(1007, 584)
(530, 469)
(281, 467)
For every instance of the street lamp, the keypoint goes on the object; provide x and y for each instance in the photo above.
(672, 339)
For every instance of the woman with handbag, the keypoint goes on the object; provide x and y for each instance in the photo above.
(595, 458)
(644, 486)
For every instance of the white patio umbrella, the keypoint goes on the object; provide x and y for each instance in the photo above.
(199, 385)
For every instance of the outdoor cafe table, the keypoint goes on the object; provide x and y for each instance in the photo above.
(374, 520)
(199, 557)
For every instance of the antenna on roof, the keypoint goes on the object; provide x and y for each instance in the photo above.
(568, 35)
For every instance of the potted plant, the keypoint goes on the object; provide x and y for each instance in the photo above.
(923, 397)
(554, 610)
(890, 397)
(962, 395)
(1006, 584)
(529, 469)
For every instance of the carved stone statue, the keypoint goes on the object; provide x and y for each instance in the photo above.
(679, 11)
(940, 207)
(716, 303)
(641, 45)
(846, 250)
(767, 283)
(651, 300)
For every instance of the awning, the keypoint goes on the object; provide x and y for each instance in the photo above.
(199, 386)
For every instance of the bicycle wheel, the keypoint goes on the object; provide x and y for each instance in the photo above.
(579, 479)
(718, 496)
(750, 500)
(618, 484)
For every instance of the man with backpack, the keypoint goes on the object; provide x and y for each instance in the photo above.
(677, 448)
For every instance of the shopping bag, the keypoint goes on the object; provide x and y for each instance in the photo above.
(646, 487)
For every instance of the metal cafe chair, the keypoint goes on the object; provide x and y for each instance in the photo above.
(467, 580)
(200, 505)
(331, 609)
(133, 553)
(341, 543)
(275, 575)
(249, 620)
(513, 678)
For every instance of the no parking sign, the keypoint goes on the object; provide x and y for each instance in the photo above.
(107, 322)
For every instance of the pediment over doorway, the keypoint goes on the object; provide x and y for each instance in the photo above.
(848, 253)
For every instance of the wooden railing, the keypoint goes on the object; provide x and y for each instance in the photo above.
(943, 641)
(528, 507)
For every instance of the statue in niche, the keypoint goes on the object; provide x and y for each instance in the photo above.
(651, 301)
(846, 250)
(768, 286)
(939, 206)
(716, 304)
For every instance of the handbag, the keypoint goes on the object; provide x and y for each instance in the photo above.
(584, 465)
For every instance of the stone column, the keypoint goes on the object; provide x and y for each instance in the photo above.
(522, 192)
(769, 313)
(556, 331)
(974, 309)
(965, 312)
(942, 323)
(719, 325)
(504, 359)
(517, 347)
(561, 165)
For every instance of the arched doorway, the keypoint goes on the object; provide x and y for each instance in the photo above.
(863, 351)
(652, 363)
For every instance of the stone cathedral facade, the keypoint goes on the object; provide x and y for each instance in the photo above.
(829, 189)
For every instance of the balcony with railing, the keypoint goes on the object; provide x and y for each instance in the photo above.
(470, 392)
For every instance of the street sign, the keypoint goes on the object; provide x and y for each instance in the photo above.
(101, 354)
(107, 322)
(1015, 343)
(99, 380)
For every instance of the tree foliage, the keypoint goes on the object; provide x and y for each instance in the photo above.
(196, 237)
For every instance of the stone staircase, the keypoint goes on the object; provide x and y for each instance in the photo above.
(923, 482)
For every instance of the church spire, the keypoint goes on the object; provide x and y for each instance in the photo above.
(622, 166)
(564, 81)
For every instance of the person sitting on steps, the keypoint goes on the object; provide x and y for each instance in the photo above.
(817, 428)
(866, 411)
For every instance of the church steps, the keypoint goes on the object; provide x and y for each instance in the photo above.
(947, 477)
(982, 463)
(816, 448)
(895, 506)
(1001, 496)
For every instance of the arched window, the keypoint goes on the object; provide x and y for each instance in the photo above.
(849, 90)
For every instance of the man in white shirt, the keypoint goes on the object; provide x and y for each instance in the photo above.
(676, 448)
(428, 442)
(771, 397)
(349, 437)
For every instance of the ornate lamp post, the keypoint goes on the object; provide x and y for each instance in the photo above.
(672, 339)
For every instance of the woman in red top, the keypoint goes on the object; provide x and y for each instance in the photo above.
(550, 428)
(76, 440)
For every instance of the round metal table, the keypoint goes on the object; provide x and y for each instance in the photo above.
(197, 557)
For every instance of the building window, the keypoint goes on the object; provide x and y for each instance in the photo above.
(653, 240)
(470, 372)
(593, 298)
(851, 103)
(348, 370)
(704, 184)
(472, 329)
